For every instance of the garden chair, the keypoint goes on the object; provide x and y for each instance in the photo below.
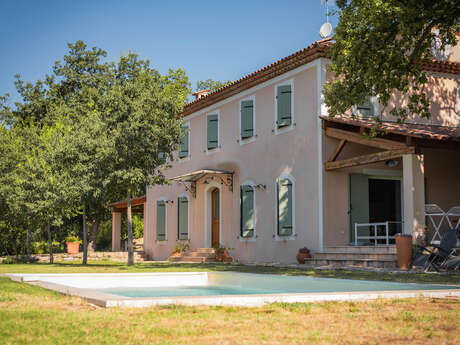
(440, 254)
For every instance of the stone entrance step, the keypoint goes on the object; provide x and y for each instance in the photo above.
(195, 255)
(355, 256)
(361, 249)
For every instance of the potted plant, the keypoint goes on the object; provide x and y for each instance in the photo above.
(304, 253)
(180, 248)
(222, 254)
(73, 244)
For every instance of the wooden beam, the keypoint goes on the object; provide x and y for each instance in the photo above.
(368, 159)
(358, 139)
(337, 151)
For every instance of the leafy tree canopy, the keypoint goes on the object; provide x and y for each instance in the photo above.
(378, 46)
(211, 85)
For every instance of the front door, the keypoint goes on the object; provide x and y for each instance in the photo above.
(215, 218)
(374, 200)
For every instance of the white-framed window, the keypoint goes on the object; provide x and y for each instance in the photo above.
(183, 214)
(161, 217)
(248, 211)
(247, 119)
(284, 107)
(285, 207)
(184, 147)
(213, 132)
(370, 107)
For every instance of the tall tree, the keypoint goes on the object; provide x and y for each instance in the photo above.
(145, 124)
(211, 85)
(378, 49)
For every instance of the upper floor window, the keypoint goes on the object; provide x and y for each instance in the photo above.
(285, 206)
(161, 220)
(182, 218)
(212, 131)
(284, 109)
(247, 214)
(367, 109)
(247, 119)
(184, 148)
(162, 157)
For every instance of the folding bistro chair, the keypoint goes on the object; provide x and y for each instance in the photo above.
(436, 215)
(442, 253)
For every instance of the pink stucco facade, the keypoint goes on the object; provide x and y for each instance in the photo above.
(321, 199)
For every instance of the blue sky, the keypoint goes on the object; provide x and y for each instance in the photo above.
(208, 39)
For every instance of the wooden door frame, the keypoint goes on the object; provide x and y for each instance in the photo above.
(213, 196)
(208, 213)
(374, 177)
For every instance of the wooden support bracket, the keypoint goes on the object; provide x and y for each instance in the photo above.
(337, 151)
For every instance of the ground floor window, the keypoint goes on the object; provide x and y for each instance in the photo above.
(161, 220)
(285, 206)
(247, 214)
(182, 218)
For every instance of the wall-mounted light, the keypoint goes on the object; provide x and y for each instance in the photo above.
(392, 163)
(261, 186)
(169, 201)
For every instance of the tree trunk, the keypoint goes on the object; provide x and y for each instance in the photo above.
(85, 235)
(130, 231)
(50, 242)
(29, 234)
(93, 235)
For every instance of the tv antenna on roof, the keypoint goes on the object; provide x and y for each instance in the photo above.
(326, 28)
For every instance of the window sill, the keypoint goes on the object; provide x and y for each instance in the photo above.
(285, 238)
(247, 239)
(162, 242)
(248, 140)
(282, 130)
(210, 152)
(185, 159)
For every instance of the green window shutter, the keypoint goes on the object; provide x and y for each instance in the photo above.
(161, 220)
(283, 96)
(284, 207)
(367, 108)
(247, 119)
(182, 218)
(183, 149)
(162, 157)
(247, 211)
(212, 131)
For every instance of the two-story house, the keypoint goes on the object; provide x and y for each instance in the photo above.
(264, 171)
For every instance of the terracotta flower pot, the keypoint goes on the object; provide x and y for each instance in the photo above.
(72, 247)
(302, 256)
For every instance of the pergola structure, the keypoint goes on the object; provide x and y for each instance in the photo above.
(120, 207)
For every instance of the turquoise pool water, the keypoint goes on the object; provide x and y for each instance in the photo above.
(230, 283)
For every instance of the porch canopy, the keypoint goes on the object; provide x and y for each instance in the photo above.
(225, 177)
(398, 139)
(119, 207)
(403, 141)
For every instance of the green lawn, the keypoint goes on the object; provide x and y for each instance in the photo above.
(32, 315)
(109, 266)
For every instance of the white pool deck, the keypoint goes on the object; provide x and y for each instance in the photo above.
(85, 284)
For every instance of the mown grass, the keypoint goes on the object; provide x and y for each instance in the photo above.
(32, 315)
(117, 267)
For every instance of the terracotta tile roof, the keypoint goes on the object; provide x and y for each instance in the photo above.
(441, 66)
(302, 57)
(314, 51)
(420, 131)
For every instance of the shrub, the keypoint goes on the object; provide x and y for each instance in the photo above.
(41, 247)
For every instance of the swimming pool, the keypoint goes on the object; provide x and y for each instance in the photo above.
(223, 288)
